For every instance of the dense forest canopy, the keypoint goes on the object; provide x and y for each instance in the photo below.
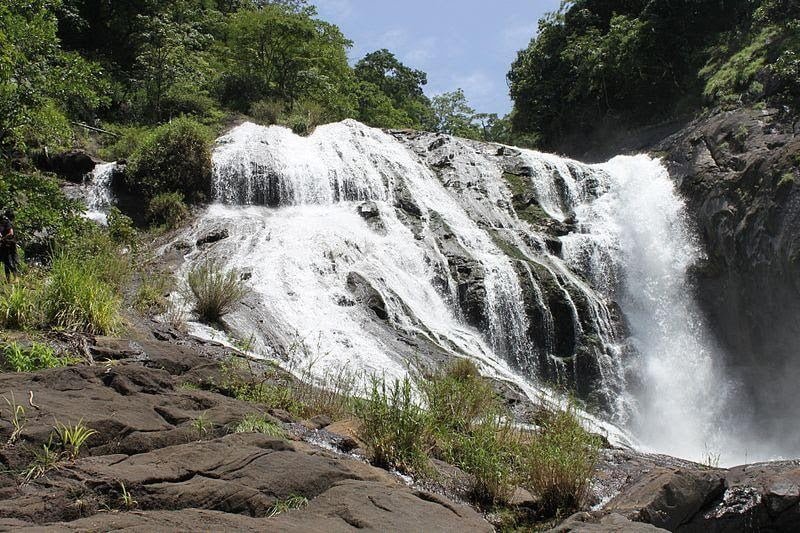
(130, 65)
(636, 62)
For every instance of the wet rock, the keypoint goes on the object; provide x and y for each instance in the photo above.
(466, 272)
(368, 210)
(72, 165)
(213, 236)
(365, 294)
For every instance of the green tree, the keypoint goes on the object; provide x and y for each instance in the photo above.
(454, 116)
(172, 62)
(282, 53)
(401, 84)
(39, 82)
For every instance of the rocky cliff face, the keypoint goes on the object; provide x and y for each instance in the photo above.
(739, 172)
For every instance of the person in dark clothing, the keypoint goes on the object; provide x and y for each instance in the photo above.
(8, 245)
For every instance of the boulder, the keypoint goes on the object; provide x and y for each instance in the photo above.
(213, 236)
(367, 295)
(369, 506)
(72, 165)
(668, 498)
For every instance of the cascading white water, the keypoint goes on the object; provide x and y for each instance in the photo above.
(98, 195)
(292, 208)
(635, 244)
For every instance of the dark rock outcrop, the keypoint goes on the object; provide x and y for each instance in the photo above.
(72, 165)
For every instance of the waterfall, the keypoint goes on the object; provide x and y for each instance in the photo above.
(376, 250)
(97, 194)
(635, 244)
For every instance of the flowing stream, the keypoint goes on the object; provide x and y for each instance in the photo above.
(372, 251)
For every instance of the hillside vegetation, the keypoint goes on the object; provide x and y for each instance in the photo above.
(597, 63)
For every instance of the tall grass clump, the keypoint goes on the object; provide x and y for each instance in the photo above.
(78, 298)
(559, 461)
(17, 307)
(396, 431)
(215, 291)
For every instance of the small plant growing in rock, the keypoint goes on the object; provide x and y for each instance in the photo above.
(18, 419)
(73, 437)
(44, 460)
(254, 423)
(202, 424)
(289, 504)
(127, 498)
(215, 292)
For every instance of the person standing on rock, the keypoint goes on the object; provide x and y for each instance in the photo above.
(8, 245)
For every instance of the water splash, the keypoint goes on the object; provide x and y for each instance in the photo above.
(98, 194)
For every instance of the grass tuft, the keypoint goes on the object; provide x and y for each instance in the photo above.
(254, 423)
(215, 292)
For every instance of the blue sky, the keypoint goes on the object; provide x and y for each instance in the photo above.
(459, 43)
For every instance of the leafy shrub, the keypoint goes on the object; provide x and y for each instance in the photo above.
(395, 430)
(120, 228)
(559, 461)
(78, 298)
(151, 297)
(175, 157)
(215, 292)
(31, 358)
(267, 112)
(44, 215)
(167, 208)
(126, 143)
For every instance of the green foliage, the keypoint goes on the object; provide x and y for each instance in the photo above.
(254, 423)
(40, 83)
(394, 90)
(202, 424)
(175, 157)
(120, 228)
(596, 63)
(559, 461)
(457, 397)
(167, 209)
(215, 292)
(44, 460)
(454, 116)
(79, 296)
(36, 356)
(284, 54)
(44, 216)
(151, 296)
(18, 419)
(18, 306)
(396, 431)
(73, 437)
